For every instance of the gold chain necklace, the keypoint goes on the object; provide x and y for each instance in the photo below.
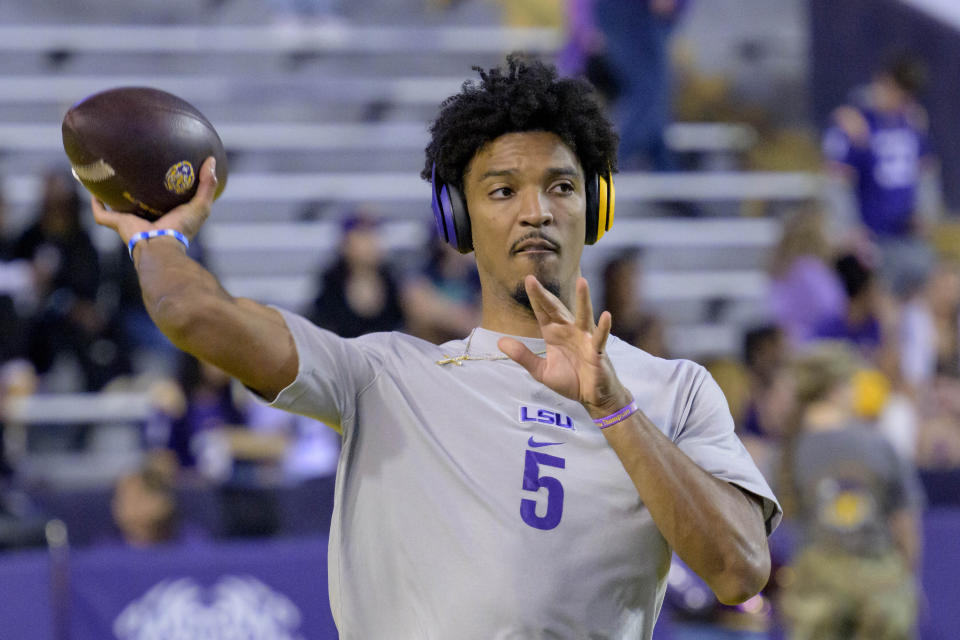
(459, 360)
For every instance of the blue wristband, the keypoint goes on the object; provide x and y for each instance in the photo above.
(156, 233)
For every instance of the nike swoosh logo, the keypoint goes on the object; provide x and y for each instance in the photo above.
(533, 443)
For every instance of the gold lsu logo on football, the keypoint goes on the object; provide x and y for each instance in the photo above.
(180, 178)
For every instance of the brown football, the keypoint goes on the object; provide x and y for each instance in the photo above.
(139, 149)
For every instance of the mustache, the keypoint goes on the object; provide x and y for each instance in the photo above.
(534, 235)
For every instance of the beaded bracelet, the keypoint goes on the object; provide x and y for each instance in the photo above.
(618, 416)
(156, 233)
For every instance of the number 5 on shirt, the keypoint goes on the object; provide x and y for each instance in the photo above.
(532, 481)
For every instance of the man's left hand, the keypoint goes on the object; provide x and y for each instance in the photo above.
(576, 364)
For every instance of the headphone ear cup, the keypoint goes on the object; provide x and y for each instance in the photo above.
(605, 204)
(593, 208)
(450, 214)
(463, 242)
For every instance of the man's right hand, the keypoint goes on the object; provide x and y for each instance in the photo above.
(187, 218)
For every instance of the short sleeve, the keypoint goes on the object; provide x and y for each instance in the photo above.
(332, 372)
(706, 435)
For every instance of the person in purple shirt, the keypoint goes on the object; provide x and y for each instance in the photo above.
(636, 37)
(869, 322)
(805, 291)
(879, 145)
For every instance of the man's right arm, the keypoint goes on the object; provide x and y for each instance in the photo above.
(245, 339)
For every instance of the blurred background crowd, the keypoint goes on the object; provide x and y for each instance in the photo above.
(786, 216)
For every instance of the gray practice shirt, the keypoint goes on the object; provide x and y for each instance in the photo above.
(474, 502)
(849, 482)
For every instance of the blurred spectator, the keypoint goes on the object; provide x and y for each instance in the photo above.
(879, 146)
(68, 320)
(622, 297)
(144, 502)
(938, 440)
(929, 328)
(190, 415)
(584, 53)
(443, 301)
(636, 38)
(358, 293)
(17, 380)
(771, 390)
(870, 319)
(805, 291)
(204, 422)
(22, 523)
(16, 284)
(583, 39)
(856, 505)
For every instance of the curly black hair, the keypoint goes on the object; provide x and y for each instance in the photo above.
(526, 96)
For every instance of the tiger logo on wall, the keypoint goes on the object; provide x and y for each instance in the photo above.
(235, 607)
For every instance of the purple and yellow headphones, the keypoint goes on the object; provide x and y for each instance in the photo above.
(453, 222)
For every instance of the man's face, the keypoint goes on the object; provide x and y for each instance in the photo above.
(525, 195)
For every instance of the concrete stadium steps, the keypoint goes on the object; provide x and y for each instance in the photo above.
(275, 63)
(338, 48)
(239, 12)
(264, 40)
(226, 97)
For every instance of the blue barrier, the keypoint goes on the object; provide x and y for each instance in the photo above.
(263, 590)
(276, 589)
(26, 606)
(939, 614)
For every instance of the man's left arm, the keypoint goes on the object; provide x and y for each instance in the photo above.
(715, 527)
